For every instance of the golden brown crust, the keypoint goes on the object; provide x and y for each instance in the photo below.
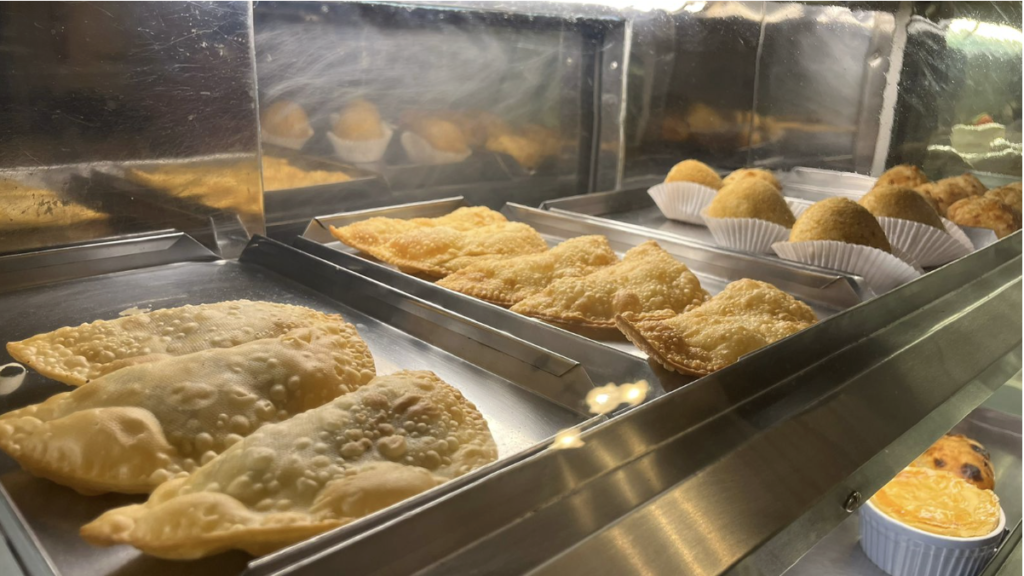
(985, 212)
(398, 436)
(753, 173)
(751, 198)
(949, 191)
(962, 456)
(903, 175)
(279, 174)
(370, 233)
(1009, 195)
(441, 134)
(939, 503)
(902, 203)
(744, 317)
(358, 120)
(842, 220)
(694, 171)
(647, 281)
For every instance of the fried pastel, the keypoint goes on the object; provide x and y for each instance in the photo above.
(903, 175)
(507, 281)
(138, 427)
(902, 203)
(842, 220)
(648, 281)
(371, 233)
(746, 316)
(985, 212)
(399, 436)
(77, 354)
(441, 250)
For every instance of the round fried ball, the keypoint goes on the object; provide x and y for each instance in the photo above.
(902, 175)
(755, 173)
(839, 219)
(694, 171)
(968, 182)
(1009, 195)
(359, 120)
(902, 203)
(985, 212)
(961, 456)
(751, 198)
(286, 119)
(929, 193)
(949, 191)
(440, 134)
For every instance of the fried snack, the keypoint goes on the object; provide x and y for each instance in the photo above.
(929, 192)
(938, 503)
(136, 428)
(842, 220)
(958, 454)
(968, 182)
(753, 173)
(286, 119)
(648, 281)
(903, 175)
(75, 355)
(278, 174)
(401, 435)
(232, 188)
(751, 198)
(375, 232)
(746, 316)
(949, 191)
(358, 120)
(985, 212)
(1009, 195)
(33, 217)
(902, 203)
(442, 135)
(530, 146)
(694, 171)
(507, 281)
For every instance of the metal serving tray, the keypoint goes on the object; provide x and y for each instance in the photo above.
(826, 292)
(523, 390)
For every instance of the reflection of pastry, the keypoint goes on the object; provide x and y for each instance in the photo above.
(1009, 195)
(902, 203)
(985, 212)
(33, 217)
(755, 173)
(751, 198)
(278, 174)
(962, 456)
(359, 120)
(694, 171)
(939, 503)
(946, 192)
(286, 119)
(442, 135)
(842, 220)
(903, 175)
(231, 187)
(530, 146)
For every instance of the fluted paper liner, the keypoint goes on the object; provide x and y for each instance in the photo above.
(924, 244)
(286, 142)
(421, 152)
(746, 234)
(360, 151)
(881, 270)
(683, 201)
(798, 205)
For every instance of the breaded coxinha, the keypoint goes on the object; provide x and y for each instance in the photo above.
(400, 435)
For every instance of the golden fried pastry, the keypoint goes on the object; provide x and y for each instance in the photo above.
(903, 175)
(968, 182)
(507, 281)
(359, 120)
(938, 503)
(33, 217)
(133, 429)
(1009, 195)
(842, 220)
(958, 454)
(401, 435)
(440, 250)
(278, 174)
(747, 316)
(373, 232)
(929, 192)
(985, 212)
(232, 188)
(902, 203)
(442, 135)
(530, 146)
(751, 198)
(77, 354)
(286, 119)
(694, 171)
(753, 173)
(648, 281)
(949, 191)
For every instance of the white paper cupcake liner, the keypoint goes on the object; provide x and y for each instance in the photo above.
(421, 152)
(923, 244)
(360, 151)
(683, 201)
(285, 142)
(978, 237)
(881, 270)
(746, 234)
(798, 205)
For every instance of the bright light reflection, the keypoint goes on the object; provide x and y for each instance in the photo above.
(963, 27)
(567, 439)
(606, 398)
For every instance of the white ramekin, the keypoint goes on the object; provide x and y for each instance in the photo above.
(901, 550)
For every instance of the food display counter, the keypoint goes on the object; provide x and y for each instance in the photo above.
(472, 288)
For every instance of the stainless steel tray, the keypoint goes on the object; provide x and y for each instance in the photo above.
(827, 292)
(523, 390)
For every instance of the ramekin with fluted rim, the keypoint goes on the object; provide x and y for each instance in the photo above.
(902, 550)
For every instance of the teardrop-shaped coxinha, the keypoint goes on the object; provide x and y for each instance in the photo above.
(135, 428)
